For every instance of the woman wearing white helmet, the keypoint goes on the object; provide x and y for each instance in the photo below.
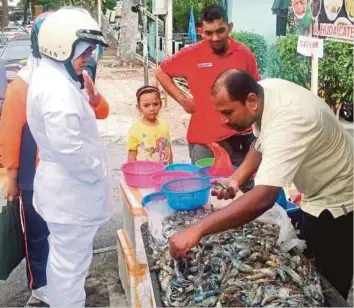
(71, 189)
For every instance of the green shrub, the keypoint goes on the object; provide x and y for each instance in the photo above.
(181, 12)
(336, 73)
(284, 62)
(335, 68)
(257, 44)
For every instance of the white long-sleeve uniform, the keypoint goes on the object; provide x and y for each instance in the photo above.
(71, 183)
(71, 189)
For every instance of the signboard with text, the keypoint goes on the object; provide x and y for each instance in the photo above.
(310, 46)
(333, 19)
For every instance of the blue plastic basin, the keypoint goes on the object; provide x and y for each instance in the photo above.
(182, 167)
(187, 193)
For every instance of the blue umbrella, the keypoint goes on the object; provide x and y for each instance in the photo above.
(192, 34)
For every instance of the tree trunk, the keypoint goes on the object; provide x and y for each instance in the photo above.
(108, 31)
(32, 7)
(5, 13)
(128, 35)
(25, 12)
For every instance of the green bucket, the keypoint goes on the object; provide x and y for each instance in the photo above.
(205, 162)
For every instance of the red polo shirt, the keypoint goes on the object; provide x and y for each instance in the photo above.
(200, 66)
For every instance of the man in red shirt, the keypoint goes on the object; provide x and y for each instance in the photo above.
(200, 64)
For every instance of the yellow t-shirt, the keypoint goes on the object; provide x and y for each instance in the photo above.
(151, 142)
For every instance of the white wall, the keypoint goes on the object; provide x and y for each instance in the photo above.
(253, 15)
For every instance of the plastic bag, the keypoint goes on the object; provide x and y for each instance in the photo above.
(12, 245)
(287, 236)
(156, 211)
(222, 165)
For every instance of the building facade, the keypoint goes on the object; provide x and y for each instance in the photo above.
(253, 16)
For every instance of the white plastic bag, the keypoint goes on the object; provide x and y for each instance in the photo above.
(287, 236)
(156, 211)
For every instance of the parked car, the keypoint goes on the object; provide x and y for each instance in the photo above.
(3, 40)
(15, 54)
(346, 111)
(11, 32)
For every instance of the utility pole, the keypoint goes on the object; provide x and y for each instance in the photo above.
(99, 12)
(169, 28)
(157, 42)
(145, 44)
(5, 13)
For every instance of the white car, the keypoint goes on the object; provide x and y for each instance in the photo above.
(11, 32)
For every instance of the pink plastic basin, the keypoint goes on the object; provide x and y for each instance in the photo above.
(139, 173)
(163, 177)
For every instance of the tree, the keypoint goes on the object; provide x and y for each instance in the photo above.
(108, 5)
(128, 35)
(181, 11)
(47, 4)
(5, 13)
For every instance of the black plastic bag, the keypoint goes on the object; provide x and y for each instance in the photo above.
(12, 244)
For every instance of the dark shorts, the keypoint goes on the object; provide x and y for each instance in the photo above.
(329, 241)
(237, 146)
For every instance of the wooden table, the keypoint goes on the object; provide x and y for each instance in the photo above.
(132, 260)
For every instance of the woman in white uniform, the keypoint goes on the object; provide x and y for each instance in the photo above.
(71, 189)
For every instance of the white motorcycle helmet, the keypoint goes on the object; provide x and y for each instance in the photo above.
(63, 29)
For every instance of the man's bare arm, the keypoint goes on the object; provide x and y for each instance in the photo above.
(241, 211)
(170, 86)
(245, 171)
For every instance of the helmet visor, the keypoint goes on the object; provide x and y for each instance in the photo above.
(92, 36)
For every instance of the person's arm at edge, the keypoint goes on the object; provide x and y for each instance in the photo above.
(11, 130)
(239, 212)
(171, 156)
(170, 86)
(177, 65)
(100, 107)
(169, 144)
(245, 171)
(132, 155)
(132, 144)
(11, 133)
